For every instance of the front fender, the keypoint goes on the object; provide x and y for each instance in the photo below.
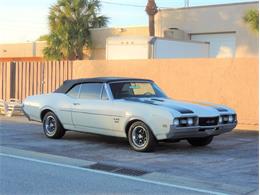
(131, 119)
(158, 123)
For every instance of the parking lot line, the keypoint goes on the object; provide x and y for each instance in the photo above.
(113, 174)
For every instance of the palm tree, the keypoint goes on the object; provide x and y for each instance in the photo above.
(42, 38)
(69, 23)
(252, 18)
(151, 10)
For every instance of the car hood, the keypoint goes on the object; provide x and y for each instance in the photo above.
(200, 109)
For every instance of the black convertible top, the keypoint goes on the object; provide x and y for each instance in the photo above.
(68, 84)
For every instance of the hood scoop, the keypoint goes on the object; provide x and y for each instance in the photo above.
(159, 100)
(141, 100)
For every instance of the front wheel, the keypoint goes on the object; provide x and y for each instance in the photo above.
(140, 137)
(201, 141)
(52, 127)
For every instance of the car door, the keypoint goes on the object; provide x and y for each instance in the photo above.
(91, 111)
(66, 106)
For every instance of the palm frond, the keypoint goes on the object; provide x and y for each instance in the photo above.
(69, 23)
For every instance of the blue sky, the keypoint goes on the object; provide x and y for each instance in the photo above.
(26, 20)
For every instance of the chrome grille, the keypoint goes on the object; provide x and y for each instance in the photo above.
(208, 121)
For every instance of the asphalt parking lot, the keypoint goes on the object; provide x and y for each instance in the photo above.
(230, 162)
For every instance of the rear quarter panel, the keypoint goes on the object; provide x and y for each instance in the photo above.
(60, 104)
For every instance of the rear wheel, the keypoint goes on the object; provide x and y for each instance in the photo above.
(201, 141)
(52, 127)
(140, 137)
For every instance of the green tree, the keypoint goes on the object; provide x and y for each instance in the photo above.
(252, 18)
(42, 38)
(69, 24)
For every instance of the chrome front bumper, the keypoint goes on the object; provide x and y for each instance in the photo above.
(199, 131)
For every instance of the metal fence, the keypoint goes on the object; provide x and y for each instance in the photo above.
(21, 79)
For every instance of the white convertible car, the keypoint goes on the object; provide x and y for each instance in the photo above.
(127, 107)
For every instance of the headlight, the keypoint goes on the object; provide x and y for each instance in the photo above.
(184, 121)
(190, 121)
(230, 118)
(220, 119)
(176, 122)
(224, 119)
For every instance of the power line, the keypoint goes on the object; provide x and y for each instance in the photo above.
(122, 4)
(128, 5)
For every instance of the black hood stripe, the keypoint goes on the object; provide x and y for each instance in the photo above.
(218, 108)
(177, 108)
(141, 101)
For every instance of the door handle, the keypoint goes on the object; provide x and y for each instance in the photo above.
(75, 104)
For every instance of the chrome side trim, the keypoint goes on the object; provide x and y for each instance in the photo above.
(94, 113)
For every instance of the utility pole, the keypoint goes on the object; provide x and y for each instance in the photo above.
(151, 10)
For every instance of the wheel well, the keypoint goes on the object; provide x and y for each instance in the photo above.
(129, 125)
(131, 122)
(44, 112)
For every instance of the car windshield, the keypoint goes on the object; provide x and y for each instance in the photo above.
(121, 90)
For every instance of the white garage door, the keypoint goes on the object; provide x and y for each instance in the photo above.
(222, 45)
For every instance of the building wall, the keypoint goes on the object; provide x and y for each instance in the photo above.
(232, 82)
(20, 50)
(99, 36)
(212, 19)
(39, 46)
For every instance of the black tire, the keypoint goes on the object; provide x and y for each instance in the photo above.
(145, 142)
(201, 141)
(52, 127)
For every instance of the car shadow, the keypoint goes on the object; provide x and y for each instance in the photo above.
(90, 138)
(122, 143)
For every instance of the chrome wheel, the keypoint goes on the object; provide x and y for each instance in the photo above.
(50, 125)
(139, 136)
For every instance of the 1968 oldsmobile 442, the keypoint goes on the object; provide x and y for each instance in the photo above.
(127, 107)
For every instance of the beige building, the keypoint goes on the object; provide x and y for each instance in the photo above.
(220, 25)
(99, 36)
(22, 50)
